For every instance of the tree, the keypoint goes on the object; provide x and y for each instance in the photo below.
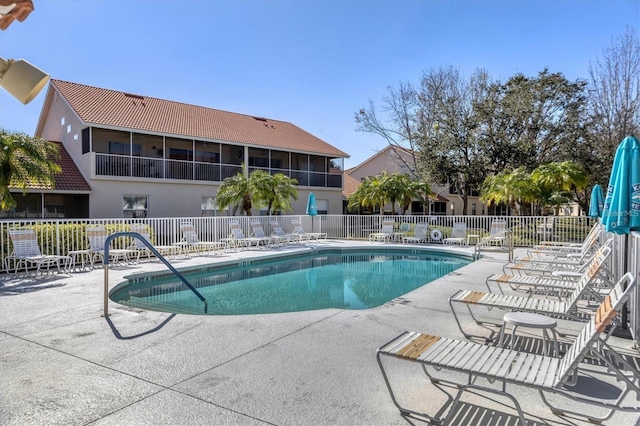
(401, 127)
(235, 191)
(614, 101)
(370, 193)
(510, 188)
(558, 182)
(25, 161)
(273, 191)
(451, 149)
(259, 189)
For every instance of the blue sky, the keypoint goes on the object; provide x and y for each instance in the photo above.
(310, 62)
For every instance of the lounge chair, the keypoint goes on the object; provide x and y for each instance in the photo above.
(588, 247)
(191, 241)
(458, 234)
(237, 238)
(560, 281)
(287, 237)
(97, 236)
(27, 253)
(258, 232)
(298, 229)
(497, 233)
(565, 307)
(548, 375)
(385, 234)
(551, 248)
(420, 234)
(143, 230)
(548, 266)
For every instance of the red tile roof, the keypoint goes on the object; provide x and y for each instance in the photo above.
(106, 107)
(349, 184)
(69, 180)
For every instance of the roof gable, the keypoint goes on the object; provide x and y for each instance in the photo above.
(104, 107)
(68, 180)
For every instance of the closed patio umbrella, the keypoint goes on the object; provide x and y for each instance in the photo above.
(621, 213)
(312, 209)
(597, 202)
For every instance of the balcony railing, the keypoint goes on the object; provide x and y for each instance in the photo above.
(159, 168)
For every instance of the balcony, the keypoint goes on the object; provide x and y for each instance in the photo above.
(160, 168)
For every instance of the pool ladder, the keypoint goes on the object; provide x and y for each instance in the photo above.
(155, 252)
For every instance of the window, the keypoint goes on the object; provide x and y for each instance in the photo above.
(180, 154)
(323, 206)
(62, 121)
(134, 206)
(209, 206)
(69, 128)
(258, 158)
(121, 148)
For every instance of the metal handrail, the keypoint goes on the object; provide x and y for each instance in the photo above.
(155, 252)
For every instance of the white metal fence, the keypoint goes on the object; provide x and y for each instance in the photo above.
(61, 236)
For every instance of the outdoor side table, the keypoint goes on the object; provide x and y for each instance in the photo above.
(473, 237)
(531, 320)
(82, 256)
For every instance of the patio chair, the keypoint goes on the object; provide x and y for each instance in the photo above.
(587, 248)
(564, 307)
(420, 234)
(548, 266)
(497, 233)
(237, 238)
(550, 248)
(143, 230)
(258, 232)
(27, 253)
(97, 236)
(561, 280)
(385, 234)
(564, 377)
(191, 241)
(298, 229)
(287, 237)
(458, 234)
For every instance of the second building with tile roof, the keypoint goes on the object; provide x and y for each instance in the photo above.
(148, 157)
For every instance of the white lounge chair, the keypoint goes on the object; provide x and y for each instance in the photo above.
(565, 307)
(27, 253)
(191, 241)
(420, 234)
(97, 235)
(385, 234)
(298, 229)
(258, 232)
(547, 266)
(458, 234)
(548, 375)
(288, 237)
(559, 280)
(553, 248)
(239, 239)
(143, 230)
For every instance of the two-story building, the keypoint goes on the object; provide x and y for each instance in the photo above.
(146, 157)
(395, 159)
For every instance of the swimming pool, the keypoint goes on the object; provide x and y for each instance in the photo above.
(330, 278)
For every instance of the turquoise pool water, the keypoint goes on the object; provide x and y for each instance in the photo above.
(332, 279)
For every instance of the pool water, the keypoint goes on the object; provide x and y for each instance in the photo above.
(339, 280)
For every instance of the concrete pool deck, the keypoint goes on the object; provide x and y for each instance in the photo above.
(61, 362)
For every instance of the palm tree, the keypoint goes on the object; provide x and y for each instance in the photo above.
(235, 191)
(25, 160)
(510, 188)
(370, 193)
(273, 191)
(557, 180)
